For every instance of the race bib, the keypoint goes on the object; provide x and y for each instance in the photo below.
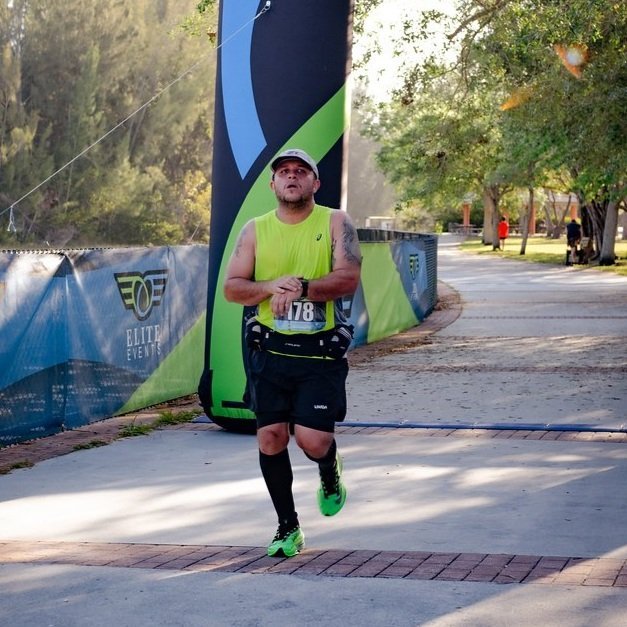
(305, 316)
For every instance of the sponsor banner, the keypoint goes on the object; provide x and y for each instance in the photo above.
(83, 331)
(416, 261)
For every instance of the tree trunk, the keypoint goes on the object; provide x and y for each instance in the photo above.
(607, 257)
(488, 222)
(524, 222)
(551, 214)
(623, 221)
(587, 228)
(586, 222)
(491, 199)
(597, 210)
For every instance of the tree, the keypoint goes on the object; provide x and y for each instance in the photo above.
(551, 80)
(564, 61)
(23, 162)
(108, 102)
(440, 141)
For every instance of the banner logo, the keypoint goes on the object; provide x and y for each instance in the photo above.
(142, 292)
(347, 305)
(414, 264)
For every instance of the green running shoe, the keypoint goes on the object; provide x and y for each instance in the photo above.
(287, 543)
(331, 497)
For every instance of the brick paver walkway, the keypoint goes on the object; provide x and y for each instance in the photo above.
(477, 567)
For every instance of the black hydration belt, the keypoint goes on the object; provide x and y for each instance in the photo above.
(331, 344)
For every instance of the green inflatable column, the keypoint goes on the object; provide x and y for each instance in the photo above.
(281, 83)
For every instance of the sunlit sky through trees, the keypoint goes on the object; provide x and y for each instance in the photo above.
(385, 26)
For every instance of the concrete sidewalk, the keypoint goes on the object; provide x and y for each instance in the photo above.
(534, 346)
(503, 459)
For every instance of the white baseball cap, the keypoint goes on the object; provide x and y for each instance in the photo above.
(298, 154)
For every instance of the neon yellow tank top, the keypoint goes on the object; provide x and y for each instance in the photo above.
(303, 250)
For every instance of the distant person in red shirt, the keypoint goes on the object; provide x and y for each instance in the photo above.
(503, 232)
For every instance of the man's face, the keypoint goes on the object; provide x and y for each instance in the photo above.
(294, 182)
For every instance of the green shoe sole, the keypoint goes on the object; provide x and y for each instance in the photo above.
(289, 546)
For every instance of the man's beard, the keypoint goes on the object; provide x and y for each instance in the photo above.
(300, 203)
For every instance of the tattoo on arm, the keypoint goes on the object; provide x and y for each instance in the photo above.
(238, 245)
(350, 243)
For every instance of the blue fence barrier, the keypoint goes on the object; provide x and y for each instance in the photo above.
(87, 334)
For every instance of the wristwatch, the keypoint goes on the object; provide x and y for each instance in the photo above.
(304, 284)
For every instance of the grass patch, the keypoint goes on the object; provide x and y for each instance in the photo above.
(549, 251)
(88, 445)
(133, 430)
(166, 418)
(16, 466)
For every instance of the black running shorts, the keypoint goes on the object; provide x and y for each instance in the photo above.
(300, 390)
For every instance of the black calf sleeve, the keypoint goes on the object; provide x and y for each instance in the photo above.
(326, 464)
(277, 473)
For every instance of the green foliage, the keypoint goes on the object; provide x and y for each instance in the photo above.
(168, 417)
(5, 470)
(83, 74)
(570, 116)
(438, 147)
(452, 214)
(512, 111)
(202, 21)
(205, 5)
(133, 430)
(361, 10)
(89, 445)
(414, 218)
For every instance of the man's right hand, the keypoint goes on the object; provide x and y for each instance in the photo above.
(285, 290)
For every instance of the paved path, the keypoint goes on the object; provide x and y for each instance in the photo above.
(487, 470)
(535, 347)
